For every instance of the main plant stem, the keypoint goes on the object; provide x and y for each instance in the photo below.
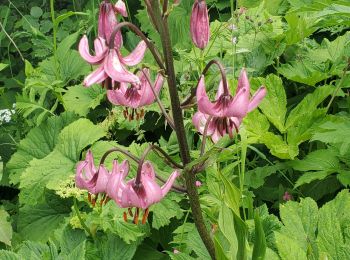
(181, 136)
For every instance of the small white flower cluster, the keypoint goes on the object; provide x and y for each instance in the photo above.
(6, 114)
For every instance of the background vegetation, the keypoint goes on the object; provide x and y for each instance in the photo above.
(297, 142)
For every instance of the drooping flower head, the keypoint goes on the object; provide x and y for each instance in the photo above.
(199, 24)
(226, 112)
(112, 64)
(89, 178)
(143, 195)
(136, 95)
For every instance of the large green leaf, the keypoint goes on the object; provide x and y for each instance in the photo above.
(39, 142)
(288, 248)
(60, 163)
(309, 104)
(80, 100)
(335, 133)
(316, 166)
(274, 105)
(164, 211)
(38, 222)
(300, 223)
(113, 247)
(333, 236)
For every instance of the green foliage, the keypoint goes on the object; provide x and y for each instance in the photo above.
(5, 228)
(295, 142)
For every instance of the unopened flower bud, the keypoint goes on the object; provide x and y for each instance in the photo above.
(199, 25)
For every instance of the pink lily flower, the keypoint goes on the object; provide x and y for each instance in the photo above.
(137, 95)
(112, 63)
(88, 178)
(128, 195)
(199, 24)
(226, 112)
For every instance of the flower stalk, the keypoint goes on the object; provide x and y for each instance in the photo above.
(180, 132)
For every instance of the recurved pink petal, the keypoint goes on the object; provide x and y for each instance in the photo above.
(243, 81)
(220, 90)
(117, 71)
(147, 96)
(80, 180)
(121, 8)
(204, 104)
(102, 180)
(85, 171)
(116, 184)
(101, 47)
(136, 56)
(150, 192)
(238, 107)
(85, 53)
(199, 120)
(117, 96)
(257, 98)
(167, 186)
(107, 22)
(97, 76)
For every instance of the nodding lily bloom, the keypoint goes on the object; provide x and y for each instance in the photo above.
(227, 105)
(199, 25)
(226, 112)
(112, 63)
(137, 95)
(88, 178)
(129, 194)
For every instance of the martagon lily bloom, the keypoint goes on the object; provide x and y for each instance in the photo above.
(111, 62)
(137, 95)
(199, 24)
(226, 112)
(89, 178)
(130, 194)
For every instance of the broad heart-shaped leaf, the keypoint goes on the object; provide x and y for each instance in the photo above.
(5, 228)
(111, 220)
(113, 247)
(38, 222)
(165, 210)
(274, 105)
(79, 99)
(333, 238)
(309, 104)
(39, 142)
(288, 248)
(335, 132)
(300, 224)
(255, 178)
(300, 27)
(72, 244)
(188, 238)
(60, 163)
(317, 165)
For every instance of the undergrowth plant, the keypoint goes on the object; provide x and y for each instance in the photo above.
(174, 129)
